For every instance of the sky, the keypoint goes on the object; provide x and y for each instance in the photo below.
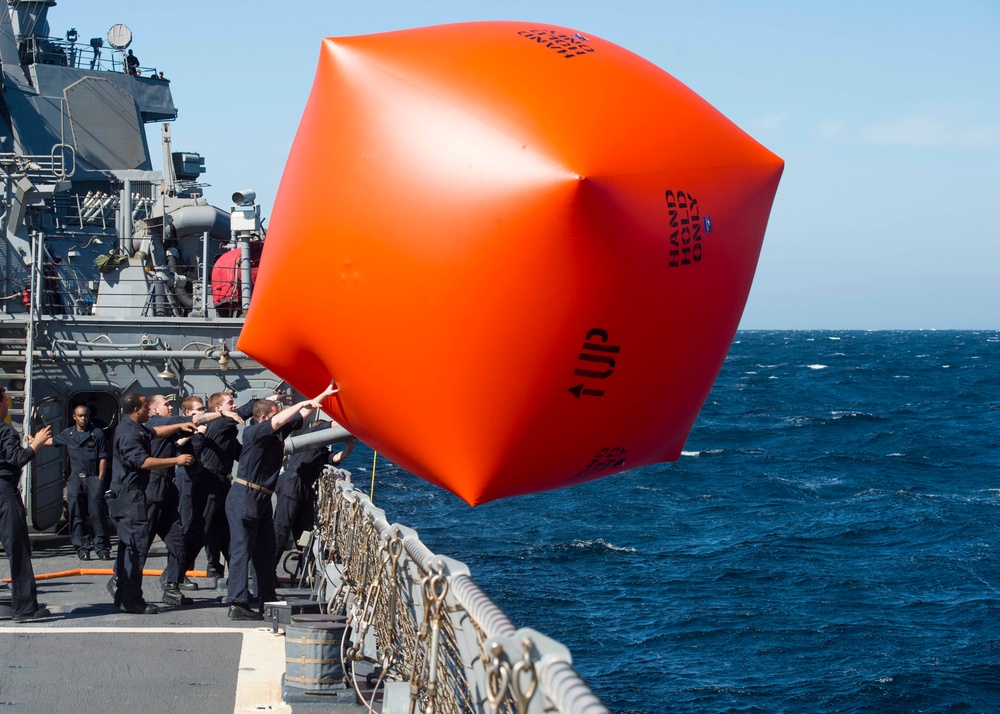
(887, 115)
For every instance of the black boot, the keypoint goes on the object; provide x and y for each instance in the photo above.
(242, 611)
(172, 595)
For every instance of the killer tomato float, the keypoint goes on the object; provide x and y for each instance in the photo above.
(521, 251)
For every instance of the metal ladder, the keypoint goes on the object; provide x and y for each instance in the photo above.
(14, 368)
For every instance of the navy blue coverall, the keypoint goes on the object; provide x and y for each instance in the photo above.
(14, 521)
(163, 502)
(248, 507)
(295, 509)
(220, 449)
(128, 508)
(84, 488)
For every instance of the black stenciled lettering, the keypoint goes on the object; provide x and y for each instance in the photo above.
(568, 46)
(593, 346)
(591, 374)
(685, 233)
(610, 457)
(597, 333)
(596, 351)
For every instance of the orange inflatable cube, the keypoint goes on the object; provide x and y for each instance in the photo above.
(521, 251)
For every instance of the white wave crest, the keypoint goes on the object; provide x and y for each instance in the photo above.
(601, 543)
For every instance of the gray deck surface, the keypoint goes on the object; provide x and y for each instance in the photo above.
(75, 661)
(119, 672)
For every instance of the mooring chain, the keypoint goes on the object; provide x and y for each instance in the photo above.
(523, 694)
(395, 550)
(497, 680)
(381, 612)
(519, 682)
(435, 588)
(365, 607)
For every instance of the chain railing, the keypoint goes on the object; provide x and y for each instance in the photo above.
(420, 619)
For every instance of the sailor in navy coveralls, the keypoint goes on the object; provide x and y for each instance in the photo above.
(14, 519)
(88, 460)
(163, 501)
(194, 482)
(220, 449)
(130, 467)
(248, 505)
(295, 509)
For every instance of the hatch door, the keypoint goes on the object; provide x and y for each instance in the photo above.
(43, 476)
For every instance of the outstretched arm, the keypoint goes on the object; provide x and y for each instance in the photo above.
(166, 430)
(303, 409)
(338, 458)
(156, 464)
(206, 417)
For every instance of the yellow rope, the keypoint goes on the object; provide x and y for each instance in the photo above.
(371, 496)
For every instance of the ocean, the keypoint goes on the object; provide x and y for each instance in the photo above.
(827, 542)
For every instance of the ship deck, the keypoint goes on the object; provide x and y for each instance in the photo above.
(89, 657)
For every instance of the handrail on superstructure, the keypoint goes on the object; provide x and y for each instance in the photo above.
(78, 55)
(59, 164)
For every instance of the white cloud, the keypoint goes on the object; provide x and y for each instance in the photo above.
(769, 122)
(919, 131)
(832, 129)
(986, 136)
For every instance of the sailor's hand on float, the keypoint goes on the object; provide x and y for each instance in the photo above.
(188, 427)
(328, 392)
(185, 460)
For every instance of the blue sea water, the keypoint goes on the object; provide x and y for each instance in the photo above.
(827, 543)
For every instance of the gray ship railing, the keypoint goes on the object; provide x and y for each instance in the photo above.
(57, 165)
(431, 639)
(70, 285)
(89, 54)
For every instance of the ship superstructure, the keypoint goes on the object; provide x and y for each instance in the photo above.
(106, 265)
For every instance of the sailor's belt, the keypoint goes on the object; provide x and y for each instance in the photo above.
(83, 475)
(217, 473)
(254, 486)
